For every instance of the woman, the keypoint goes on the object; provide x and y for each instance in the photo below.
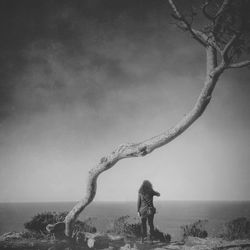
(146, 209)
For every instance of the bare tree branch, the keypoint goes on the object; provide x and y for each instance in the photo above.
(221, 10)
(223, 7)
(210, 41)
(239, 65)
(230, 43)
(204, 11)
(197, 35)
(218, 16)
(227, 48)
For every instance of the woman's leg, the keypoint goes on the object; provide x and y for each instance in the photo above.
(151, 225)
(143, 227)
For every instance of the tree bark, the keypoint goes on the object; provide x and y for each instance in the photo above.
(143, 148)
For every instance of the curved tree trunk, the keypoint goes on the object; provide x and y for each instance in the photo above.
(225, 51)
(143, 148)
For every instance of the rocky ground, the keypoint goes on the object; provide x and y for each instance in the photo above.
(15, 240)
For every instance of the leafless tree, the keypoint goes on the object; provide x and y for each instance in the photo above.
(225, 37)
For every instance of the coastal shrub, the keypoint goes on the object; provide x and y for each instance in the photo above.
(162, 237)
(124, 225)
(38, 223)
(133, 229)
(195, 229)
(85, 226)
(238, 228)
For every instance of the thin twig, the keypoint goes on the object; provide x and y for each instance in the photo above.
(204, 11)
(239, 65)
(228, 46)
(186, 25)
(223, 7)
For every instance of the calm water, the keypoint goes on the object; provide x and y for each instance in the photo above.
(170, 214)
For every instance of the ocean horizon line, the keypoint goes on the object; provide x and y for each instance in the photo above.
(120, 201)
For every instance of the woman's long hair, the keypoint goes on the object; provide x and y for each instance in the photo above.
(146, 187)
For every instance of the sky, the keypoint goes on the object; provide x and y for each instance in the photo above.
(78, 78)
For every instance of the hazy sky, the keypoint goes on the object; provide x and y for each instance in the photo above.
(80, 77)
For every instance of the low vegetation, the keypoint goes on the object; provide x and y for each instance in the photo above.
(37, 225)
(125, 226)
(236, 229)
(195, 229)
(123, 229)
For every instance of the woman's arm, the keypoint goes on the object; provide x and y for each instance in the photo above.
(138, 203)
(156, 193)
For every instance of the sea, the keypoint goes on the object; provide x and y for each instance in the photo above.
(170, 216)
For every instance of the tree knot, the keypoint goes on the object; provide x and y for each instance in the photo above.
(143, 151)
(103, 159)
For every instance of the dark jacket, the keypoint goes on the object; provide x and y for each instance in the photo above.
(145, 201)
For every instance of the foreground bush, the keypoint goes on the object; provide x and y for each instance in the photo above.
(195, 229)
(162, 237)
(236, 229)
(85, 226)
(38, 223)
(122, 226)
(126, 226)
